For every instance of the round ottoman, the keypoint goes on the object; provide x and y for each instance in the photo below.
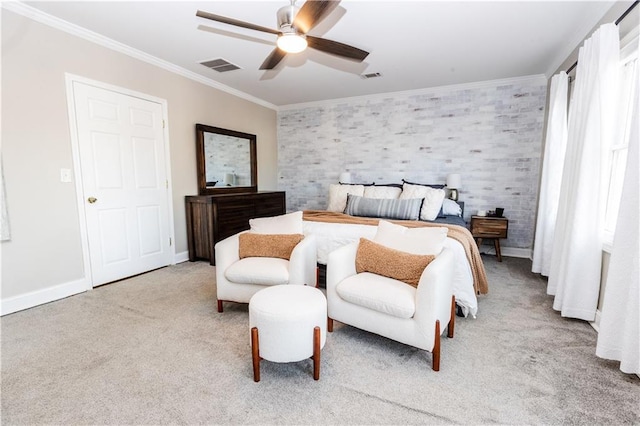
(288, 323)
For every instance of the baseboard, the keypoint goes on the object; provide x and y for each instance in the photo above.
(51, 294)
(509, 252)
(516, 252)
(181, 257)
(40, 297)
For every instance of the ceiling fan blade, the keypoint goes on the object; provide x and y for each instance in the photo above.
(312, 12)
(273, 59)
(337, 48)
(235, 22)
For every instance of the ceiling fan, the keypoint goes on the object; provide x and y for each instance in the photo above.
(293, 25)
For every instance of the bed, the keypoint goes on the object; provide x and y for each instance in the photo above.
(334, 229)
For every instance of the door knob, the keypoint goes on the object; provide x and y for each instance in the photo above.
(92, 200)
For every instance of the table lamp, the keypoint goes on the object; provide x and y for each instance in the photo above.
(453, 183)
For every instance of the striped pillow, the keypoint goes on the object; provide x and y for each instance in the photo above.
(408, 209)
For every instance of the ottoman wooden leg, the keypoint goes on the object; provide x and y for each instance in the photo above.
(219, 305)
(329, 325)
(316, 353)
(255, 352)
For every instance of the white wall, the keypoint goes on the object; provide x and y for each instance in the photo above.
(45, 248)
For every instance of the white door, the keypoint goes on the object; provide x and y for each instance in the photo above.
(124, 182)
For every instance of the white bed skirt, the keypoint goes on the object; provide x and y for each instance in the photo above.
(330, 236)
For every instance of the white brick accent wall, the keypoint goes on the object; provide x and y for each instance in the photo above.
(490, 133)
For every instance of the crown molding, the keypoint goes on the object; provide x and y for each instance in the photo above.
(533, 79)
(78, 31)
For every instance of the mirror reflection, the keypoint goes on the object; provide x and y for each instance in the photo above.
(226, 160)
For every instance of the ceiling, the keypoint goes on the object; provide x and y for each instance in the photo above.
(413, 44)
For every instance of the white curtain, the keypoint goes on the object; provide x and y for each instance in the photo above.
(554, 150)
(574, 276)
(619, 335)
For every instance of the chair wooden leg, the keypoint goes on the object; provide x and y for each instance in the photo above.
(452, 321)
(219, 305)
(329, 325)
(255, 354)
(317, 277)
(436, 348)
(316, 353)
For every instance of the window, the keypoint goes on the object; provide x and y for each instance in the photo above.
(627, 88)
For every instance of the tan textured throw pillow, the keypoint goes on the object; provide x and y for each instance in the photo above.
(396, 264)
(268, 245)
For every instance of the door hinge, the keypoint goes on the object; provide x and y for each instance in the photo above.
(163, 124)
(166, 184)
(170, 242)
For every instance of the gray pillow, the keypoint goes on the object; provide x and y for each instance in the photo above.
(408, 209)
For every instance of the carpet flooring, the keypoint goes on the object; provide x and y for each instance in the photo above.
(153, 350)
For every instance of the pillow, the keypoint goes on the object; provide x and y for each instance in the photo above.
(290, 223)
(268, 245)
(338, 195)
(381, 260)
(433, 198)
(432, 185)
(451, 208)
(382, 192)
(424, 240)
(388, 208)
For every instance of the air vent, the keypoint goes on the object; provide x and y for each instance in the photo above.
(370, 75)
(220, 65)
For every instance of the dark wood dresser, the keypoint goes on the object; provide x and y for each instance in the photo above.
(211, 218)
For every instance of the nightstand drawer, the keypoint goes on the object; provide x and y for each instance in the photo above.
(483, 227)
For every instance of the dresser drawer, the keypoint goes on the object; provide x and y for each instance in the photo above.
(231, 225)
(233, 207)
(270, 205)
(482, 227)
(211, 218)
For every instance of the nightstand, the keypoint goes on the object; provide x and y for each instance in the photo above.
(490, 227)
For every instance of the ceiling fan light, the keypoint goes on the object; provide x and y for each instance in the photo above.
(292, 43)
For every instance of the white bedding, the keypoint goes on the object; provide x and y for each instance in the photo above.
(330, 236)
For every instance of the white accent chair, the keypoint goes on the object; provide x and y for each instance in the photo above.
(391, 308)
(239, 279)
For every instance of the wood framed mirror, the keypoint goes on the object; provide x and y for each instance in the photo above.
(226, 161)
